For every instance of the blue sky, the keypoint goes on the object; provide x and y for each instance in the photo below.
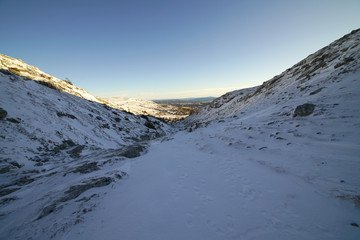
(170, 49)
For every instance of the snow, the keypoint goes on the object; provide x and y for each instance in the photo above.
(254, 171)
(140, 106)
(40, 167)
(242, 168)
(215, 191)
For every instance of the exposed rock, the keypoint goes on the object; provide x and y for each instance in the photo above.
(120, 175)
(75, 191)
(316, 91)
(23, 181)
(7, 200)
(3, 114)
(66, 144)
(62, 114)
(5, 192)
(13, 120)
(15, 164)
(150, 125)
(354, 224)
(133, 151)
(5, 169)
(75, 153)
(345, 61)
(47, 210)
(86, 168)
(304, 110)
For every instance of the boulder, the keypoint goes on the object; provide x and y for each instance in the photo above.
(304, 110)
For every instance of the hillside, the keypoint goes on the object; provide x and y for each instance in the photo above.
(252, 165)
(315, 79)
(56, 140)
(163, 111)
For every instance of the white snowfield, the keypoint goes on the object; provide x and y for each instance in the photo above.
(245, 167)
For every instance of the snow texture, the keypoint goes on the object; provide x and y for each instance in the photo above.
(243, 167)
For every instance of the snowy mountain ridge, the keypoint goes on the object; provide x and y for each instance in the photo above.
(304, 80)
(57, 142)
(20, 68)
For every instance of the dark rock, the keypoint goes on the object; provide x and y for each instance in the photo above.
(3, 114)
(6, 72)
(51, 85)
(145, 138)
(354, 224)
(87, 168)
(62, 114)
(86, 199)
(75, 153)
(5, 169)
(75, 191)
(15, 164)
(47, 210)
(150, 125)
(344, 62)
(13, 120)
(316, 91)
(304, 110)
(120, 175)
(66, 144)
(7, 200)
(23, 181)
(106, 125)
(5, 192)
(32, 171)
(133, 151)
(117, 119)
(144, 116)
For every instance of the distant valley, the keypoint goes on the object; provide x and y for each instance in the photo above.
(194, 103)
(170, 110)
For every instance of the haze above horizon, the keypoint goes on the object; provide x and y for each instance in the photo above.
(170, 49)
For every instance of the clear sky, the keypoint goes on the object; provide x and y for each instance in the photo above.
(155, 49)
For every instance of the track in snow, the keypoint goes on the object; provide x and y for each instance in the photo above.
(197, 187)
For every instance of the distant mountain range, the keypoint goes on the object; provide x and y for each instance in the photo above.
(185, 100)
(192, 103)
(168, 112)
(167, 109)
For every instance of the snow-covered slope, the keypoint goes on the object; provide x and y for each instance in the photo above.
(314, 79)
(277, 162)
(140, 106)
(20, 68)
(55, 141)
(259, 172)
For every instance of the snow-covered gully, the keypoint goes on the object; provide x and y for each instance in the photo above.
(201, 185)
(278, 161)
